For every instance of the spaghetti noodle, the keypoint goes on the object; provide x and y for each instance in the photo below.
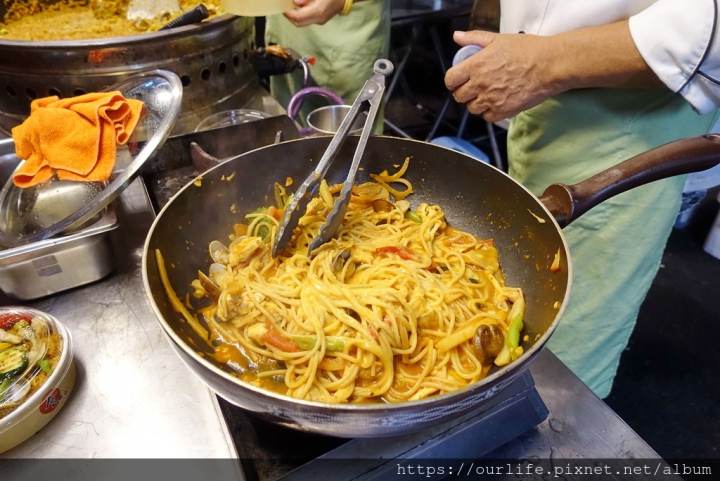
(390, 310)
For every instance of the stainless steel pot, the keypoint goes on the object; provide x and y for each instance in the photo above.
(327, 120)
(54, 265)
(475, 196)
(211, 59)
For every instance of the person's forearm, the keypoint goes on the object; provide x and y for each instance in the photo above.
(515, 72)
(316, 12)
(603, 56)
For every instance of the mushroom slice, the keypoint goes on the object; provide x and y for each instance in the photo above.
(382, 205)
(488, 342)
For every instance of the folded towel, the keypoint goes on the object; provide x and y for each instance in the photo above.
(75, 137)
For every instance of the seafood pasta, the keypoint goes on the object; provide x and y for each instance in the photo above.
(399, 306)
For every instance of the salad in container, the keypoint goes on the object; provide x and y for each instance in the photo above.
(37, 372)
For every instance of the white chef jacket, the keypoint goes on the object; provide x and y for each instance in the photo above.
(678, 39)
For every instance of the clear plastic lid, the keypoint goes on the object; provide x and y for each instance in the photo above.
(31, 347)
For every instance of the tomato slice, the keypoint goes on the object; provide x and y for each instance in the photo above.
(402, 252)
(275, 338)
(8, 320)
(332, 364)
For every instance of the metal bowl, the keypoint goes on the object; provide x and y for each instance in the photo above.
(54, 265)
(37, 213)
(26, 211)
(327, 120)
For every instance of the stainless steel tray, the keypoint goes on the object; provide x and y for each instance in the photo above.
(57, 264)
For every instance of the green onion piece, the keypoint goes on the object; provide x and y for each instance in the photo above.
(413, 216)
(334, 344)
(503, 358)
(304, 342)
(21, 324)
(307, 343)
(513, 335)
(45, 366)
(262, 228)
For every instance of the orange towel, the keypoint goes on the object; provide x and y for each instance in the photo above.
(75, 137)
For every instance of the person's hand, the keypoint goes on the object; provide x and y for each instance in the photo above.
(513, 73)
(510, 74)
(314, 11)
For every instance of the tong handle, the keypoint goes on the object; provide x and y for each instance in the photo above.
(374, 87)
(371, 92)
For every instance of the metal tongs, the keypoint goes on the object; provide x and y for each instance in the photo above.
(371, 92)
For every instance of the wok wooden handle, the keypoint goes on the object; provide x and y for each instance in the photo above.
(693, 154)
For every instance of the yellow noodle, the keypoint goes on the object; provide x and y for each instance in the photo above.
(386, 311)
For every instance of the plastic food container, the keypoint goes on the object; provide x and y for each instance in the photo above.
(37, 372)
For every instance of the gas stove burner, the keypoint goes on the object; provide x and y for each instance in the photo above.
(270, 452)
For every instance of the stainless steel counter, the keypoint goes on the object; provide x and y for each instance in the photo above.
(580, 424)
(133, 397)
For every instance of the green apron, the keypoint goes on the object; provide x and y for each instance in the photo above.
(345, 49)
(615, 248)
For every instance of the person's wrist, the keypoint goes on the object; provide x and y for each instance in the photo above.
(556, 70)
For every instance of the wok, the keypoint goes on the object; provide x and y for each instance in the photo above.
(476, 197)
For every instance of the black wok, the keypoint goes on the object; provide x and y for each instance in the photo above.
(475, 197)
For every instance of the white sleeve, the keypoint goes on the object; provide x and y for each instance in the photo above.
(680, 42)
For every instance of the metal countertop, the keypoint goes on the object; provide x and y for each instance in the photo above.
(135, 399)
